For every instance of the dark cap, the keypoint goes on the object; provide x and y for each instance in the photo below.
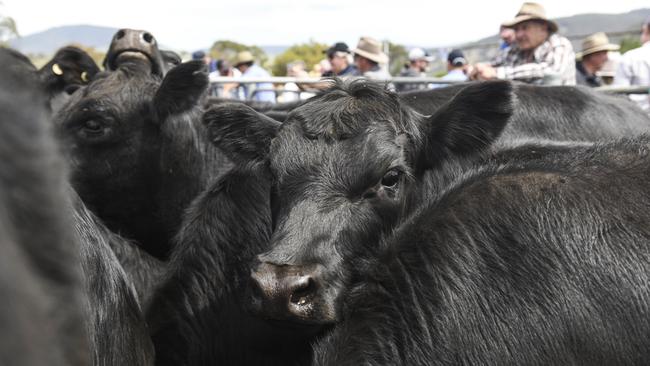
(457, 58)
(337, 47)
(198, 55)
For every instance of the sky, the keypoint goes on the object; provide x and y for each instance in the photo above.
(193, 24)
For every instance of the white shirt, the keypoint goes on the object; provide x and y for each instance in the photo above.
(634, 69)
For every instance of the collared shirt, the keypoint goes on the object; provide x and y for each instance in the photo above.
(551, 63)
(265, 95)
(634, 69)
(586, 79)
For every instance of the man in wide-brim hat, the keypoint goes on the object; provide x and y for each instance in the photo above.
(370, 59)
(592, 58)
(263, 92)
(540, 55)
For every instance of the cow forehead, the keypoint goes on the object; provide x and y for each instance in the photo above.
(119, 88)
(311, 227)
(376, 148)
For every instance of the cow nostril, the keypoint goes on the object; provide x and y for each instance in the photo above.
(304, 293)
(147, 37)
(120, 34)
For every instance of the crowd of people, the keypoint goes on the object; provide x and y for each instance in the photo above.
(531, 51)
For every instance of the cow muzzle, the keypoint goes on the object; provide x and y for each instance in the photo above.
(290, 294)
(131, 44)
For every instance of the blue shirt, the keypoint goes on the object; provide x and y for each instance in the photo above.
(268, 95)
(453, 75)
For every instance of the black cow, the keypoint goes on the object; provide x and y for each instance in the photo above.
(558, 242)
(132, 43)
(199, 315)
(328, 191)
(41, 317)
(553, 112)
(115, 321)
(277, 111)
(69, 69)
(543, 258)
(138, 150)
(143, 271)
(52, 315)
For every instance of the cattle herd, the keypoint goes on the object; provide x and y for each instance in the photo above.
(144, 223)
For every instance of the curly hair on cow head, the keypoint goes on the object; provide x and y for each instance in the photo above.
(349, 108)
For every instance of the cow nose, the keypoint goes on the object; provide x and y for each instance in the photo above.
(284, 292)
(120, 34)
(147, 37)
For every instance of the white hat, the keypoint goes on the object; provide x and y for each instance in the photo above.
(419, 54)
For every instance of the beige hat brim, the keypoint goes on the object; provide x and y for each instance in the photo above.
(605, 47)
(241, 62)
(380, 59)
(552, 26)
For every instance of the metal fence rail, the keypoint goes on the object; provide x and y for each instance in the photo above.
(399, 80)
(285, 80)
(633, 89)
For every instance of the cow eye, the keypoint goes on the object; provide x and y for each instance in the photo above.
(92, 126)
(391, 178)
(93, 129)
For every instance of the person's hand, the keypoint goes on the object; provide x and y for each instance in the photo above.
(483, 72)
(469, 71)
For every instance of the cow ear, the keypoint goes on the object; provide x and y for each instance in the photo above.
(241, 132)
(468, 124)
(181, 89)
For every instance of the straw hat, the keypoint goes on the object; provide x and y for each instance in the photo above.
(595, 43)
(243, 57)
(370, 48)
(530, 11)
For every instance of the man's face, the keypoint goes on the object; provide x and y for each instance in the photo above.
(507, 35)
(339, 61)
(597, 59)
(530, 34)
(645, 33)
(362, 63)
(422, 65)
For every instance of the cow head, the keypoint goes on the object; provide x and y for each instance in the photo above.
(136, 44)
(113, 129)
(343, 165)
(69, 69)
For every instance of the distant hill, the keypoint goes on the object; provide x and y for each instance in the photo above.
(48, 41)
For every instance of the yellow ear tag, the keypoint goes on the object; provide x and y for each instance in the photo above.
(56, 69)
(84, 77)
